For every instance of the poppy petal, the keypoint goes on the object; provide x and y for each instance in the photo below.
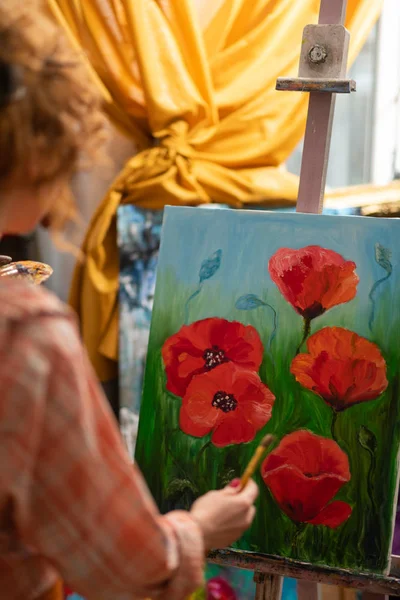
(255, 398)
(233, 430)
(241, 343)
(332, 380)
(313, 279)
(302, 368)
(333, 515)
(230, 400)
(309, 453)
(341, 367)
(198, 399)
(258, 405)
(300, 496)
(185, 353)
(189, 365)
(304, 473)
(369, 382)
(342, 343)
(190, 426)
(308, 300)
(340, 284)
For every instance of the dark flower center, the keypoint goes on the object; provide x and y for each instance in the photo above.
(311, 312)
(225, 402)
(312, 474)
(213, 357)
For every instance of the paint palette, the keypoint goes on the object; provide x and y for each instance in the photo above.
(28, 270)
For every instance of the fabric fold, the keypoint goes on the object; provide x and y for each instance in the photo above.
(201, 104)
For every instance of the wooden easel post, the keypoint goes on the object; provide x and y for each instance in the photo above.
(268, 586)
(322, 73)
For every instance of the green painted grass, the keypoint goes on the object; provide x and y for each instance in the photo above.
(176, 473)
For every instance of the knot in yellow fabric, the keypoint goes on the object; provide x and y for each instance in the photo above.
(173, 145)
(167, 169)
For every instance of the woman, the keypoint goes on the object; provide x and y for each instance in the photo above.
(71, 504)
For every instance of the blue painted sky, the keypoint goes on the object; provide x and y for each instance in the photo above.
(249, 238)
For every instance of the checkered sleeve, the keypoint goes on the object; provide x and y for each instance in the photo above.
(86, 507)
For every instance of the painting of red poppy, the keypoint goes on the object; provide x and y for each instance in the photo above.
(304, 474)
(341, 367)
(313, 279)
(230, 402)
(204, 345)
(285, 324)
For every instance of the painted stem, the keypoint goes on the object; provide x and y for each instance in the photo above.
(185, 475)
(370, 490)
(370, 480)
(371, 296)
(200, 454)
(371, 477)
(295, 540)
(306, 333)
(273, 332)
(176, 462)
(333, 424)
(196, 293)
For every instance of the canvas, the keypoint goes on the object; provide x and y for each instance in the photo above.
(285, 324)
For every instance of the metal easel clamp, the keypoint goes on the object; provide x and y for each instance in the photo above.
(323, 62)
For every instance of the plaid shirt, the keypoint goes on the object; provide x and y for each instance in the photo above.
(71, 502)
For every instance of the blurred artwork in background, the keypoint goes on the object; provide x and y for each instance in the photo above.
(138, 242)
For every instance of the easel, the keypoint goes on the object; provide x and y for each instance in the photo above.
(322, 73)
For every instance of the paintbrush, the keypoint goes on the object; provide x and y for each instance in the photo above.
(256, 459)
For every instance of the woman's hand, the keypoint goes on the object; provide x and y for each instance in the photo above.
(223, 516)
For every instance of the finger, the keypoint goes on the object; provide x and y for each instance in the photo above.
(250, 492)
(232, 488)
(235, 483)
(250, 516)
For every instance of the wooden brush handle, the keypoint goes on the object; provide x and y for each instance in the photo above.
(252, 466)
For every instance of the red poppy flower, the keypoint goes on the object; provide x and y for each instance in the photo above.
(219, 589)
(206, 344)
(313, 279)
(342, 367)
(230, 401)
(304, 473)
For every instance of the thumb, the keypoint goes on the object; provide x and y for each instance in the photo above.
(235, 483)
(233, 487)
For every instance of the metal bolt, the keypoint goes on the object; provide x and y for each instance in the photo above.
(317, 54)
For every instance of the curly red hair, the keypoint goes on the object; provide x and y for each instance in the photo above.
(51, 120)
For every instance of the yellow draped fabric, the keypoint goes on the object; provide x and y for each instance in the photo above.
(198, 97)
